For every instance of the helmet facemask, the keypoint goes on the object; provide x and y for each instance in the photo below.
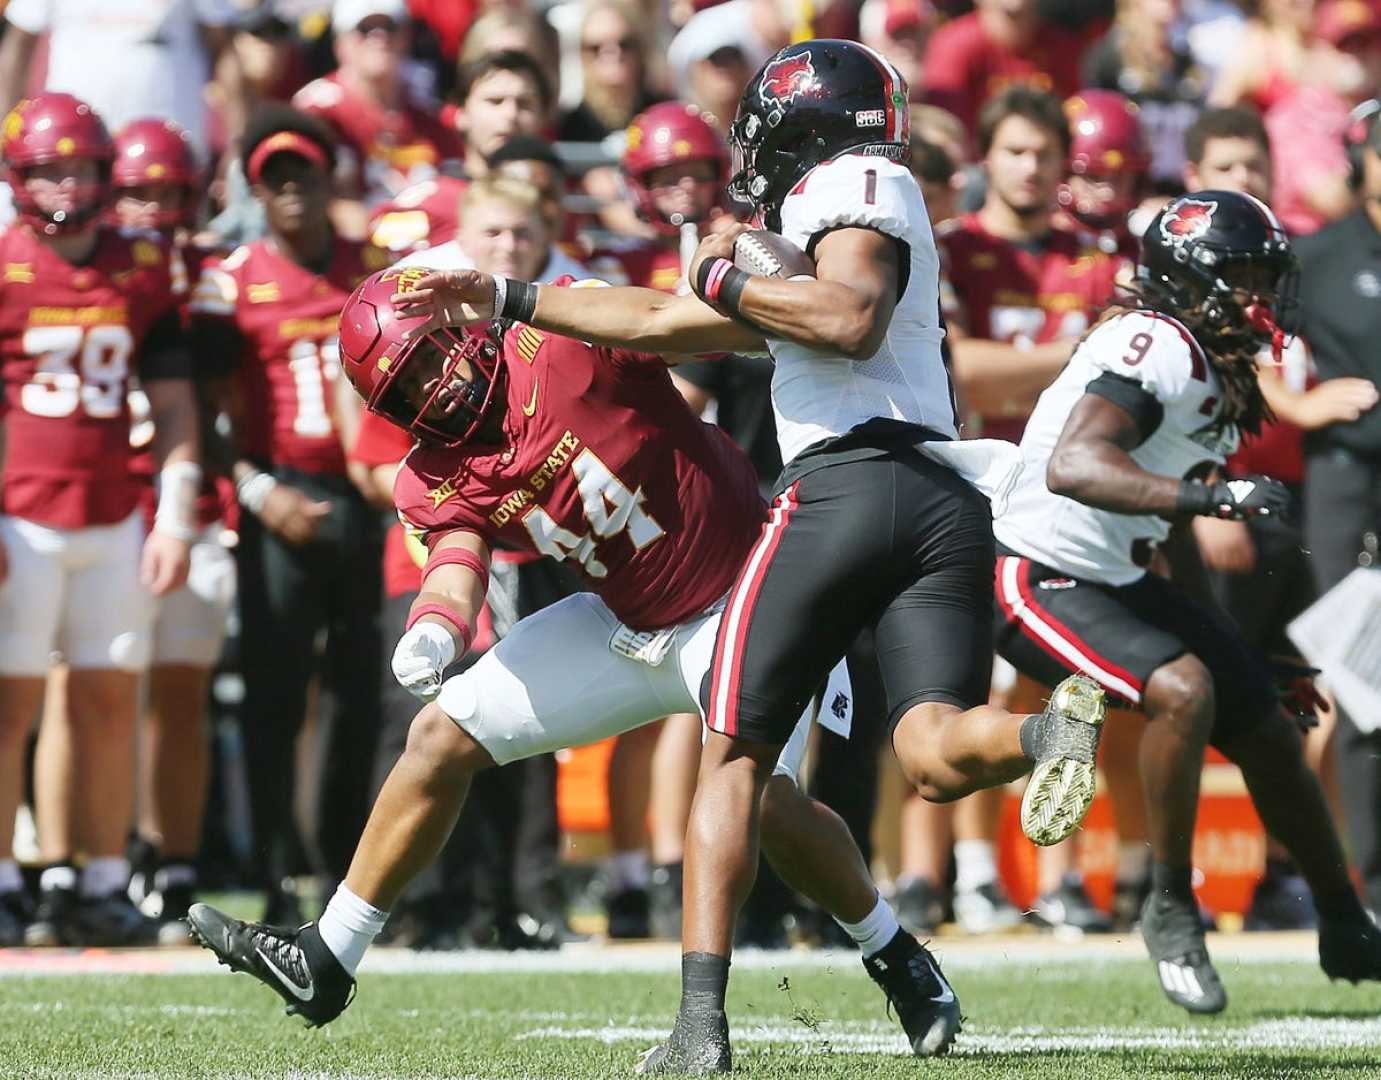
(444, 387)
(89, 201)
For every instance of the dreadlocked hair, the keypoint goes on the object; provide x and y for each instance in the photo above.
(1231, 352)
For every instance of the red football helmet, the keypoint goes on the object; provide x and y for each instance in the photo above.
(1106, 149)
(52, 127)
(413, 383)
(668, 134)
(154, 151)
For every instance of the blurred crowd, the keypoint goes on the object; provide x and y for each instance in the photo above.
(288, 147)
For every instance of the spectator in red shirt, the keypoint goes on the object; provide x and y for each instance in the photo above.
(1001, 42)
(899, 30)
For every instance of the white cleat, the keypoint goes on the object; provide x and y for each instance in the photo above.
(1061, 788)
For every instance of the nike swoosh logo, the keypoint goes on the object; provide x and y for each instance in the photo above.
(295, 990)
(947, 995)
(531, 406)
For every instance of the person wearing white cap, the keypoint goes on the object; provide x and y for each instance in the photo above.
(387, 139)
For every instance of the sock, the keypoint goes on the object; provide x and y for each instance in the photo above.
(11, 880)
(173, 873)
(349, 926)
(704, 980)
(61, 876)
(628, 870)
(1133, 862)
(105, 875)
(876, 929)
(975, 865)
(1342, 905)
(1175, 882)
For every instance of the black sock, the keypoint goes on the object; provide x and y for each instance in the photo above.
(1340, 905)
(1173, 882)
(704, 979)
(1027, 734)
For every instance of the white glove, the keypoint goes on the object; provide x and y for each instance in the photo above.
(423, 653)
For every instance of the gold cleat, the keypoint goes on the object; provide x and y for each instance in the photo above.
(1061, 787)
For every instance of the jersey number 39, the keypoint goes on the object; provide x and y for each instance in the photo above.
(78, 367)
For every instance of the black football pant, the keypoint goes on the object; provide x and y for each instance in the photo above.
(1342, 502)
(292, 597)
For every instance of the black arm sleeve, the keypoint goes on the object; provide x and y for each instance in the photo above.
(1143, 406)
(164, 353)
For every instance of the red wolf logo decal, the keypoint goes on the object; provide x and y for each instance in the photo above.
(1188, 220)
(786, 79)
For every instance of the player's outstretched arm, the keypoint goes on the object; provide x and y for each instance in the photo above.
(441, 621)
(844, 310)
(1092, 464)
(621, 316)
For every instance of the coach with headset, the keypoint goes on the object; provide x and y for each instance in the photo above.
(1340, 319)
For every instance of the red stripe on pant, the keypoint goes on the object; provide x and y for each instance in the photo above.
(727, 673)
(1080, 656)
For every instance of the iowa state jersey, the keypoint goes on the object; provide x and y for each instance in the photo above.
(70, 338)
(998, 290)
(817, 395)
(283, 319)
(1097, 545)
(607, 466)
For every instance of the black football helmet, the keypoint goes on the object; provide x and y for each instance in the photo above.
(1222, 258)
(812, 102)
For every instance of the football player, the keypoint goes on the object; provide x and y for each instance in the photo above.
(1108, 164)
(1126, 439)
(264, 320)
(880, 520)
(83, 307)
(545, 444)
(157, 184)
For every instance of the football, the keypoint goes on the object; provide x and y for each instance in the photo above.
(761, 252)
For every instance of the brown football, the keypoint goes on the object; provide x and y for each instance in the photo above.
(761, 252)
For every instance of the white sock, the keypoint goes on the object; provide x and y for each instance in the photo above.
(11, 880)
(628, 870)
(105, 875)
(349, 926)
(975, 865)
(58, 877)
(878, 927)
(1133, 862)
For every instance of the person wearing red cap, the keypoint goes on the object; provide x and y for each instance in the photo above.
(83, 308)
(265, 317)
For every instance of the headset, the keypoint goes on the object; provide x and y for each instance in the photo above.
(1360, 122)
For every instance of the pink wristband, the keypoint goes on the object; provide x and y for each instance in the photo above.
(719, 269)
(443, 612)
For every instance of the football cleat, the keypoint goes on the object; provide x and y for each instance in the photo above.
(1061, 787)
(1350, 949)
(1068, 910)
(918, 905)
(1281, 901)
(985, 910)
(294, 964)
(664, 895)
(52, 921)
(629, 914)
(698, 1046)
(924, 1001)
(16, 913)
(1174, 934)
(110, 921)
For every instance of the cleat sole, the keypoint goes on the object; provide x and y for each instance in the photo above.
(1060, 791)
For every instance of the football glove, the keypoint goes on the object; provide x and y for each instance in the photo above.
(1237, 500)
(422, 655)
(1294, 681)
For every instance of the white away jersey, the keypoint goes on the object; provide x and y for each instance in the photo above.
(817, 395)
(1098, 545)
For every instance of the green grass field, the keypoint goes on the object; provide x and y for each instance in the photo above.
(1082, 1013)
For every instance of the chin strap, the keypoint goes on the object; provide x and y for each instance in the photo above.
(1260, 319)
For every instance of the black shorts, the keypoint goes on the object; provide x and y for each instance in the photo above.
(1281, 585)
(1048, 625)
(858, 537)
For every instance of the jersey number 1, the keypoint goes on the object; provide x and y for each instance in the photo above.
(610, 508)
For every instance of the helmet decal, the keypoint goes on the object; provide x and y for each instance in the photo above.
(1186, 220)
(784, 80)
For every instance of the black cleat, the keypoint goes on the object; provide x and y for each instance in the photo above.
(110, 921)
(1350, 949)
(1174, 934)
(52, 923)
(918, 906)
(1281, 901)
(629, 914)
(16, 913)
(295, 964)
(1068, 909)
(696, 1047)
(915, 987)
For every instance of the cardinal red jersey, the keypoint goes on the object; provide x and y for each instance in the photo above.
(382, 150)
(421, 216)
(605, 465)
(379, 442)
(994, 289)
(70, 338)
(650, 266)
(281, 320)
